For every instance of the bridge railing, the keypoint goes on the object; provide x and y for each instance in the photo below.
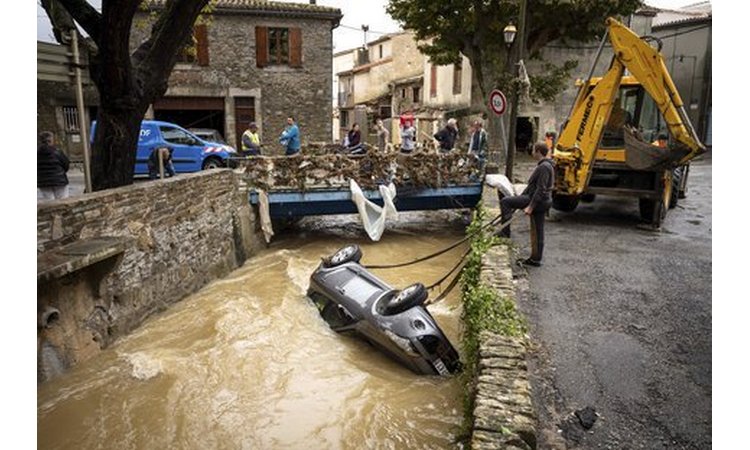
(310, 171)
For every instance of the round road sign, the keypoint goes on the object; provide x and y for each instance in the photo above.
(498, 103)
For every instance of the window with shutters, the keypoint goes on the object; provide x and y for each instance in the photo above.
(278, 46)
(457, 74)
(195, 51)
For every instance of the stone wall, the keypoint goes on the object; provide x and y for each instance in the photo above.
(179, 234)
(503, 413)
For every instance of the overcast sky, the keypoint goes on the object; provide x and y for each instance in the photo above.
(349, 34)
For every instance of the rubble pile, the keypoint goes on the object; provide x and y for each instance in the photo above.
(309, 170)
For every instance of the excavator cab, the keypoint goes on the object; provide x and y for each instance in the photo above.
(633, 108)
(605, 146)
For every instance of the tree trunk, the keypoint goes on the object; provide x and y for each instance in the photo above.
(115, 142)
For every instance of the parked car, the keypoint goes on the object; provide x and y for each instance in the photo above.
(353, 301)
(190, 153)
(208, 135)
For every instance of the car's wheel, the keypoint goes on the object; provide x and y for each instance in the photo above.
(212, 163)
(409, 297)
(351, 252)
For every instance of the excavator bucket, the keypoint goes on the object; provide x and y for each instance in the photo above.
(641, 155)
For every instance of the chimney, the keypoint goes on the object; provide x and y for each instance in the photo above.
(312, 2)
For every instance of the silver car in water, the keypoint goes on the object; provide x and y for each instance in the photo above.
(353, 301)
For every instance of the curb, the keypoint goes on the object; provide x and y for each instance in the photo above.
(504, 415)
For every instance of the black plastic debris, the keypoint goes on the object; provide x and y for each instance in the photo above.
(587, 417)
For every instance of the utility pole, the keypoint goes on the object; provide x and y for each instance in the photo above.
(81, 111)
(519, 54)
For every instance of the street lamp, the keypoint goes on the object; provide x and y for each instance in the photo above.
(509, 34)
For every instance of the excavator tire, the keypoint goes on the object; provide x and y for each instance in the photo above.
(647, 208)
(676, 182)
(564, 203)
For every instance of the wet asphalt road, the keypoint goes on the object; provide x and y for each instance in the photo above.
(620, 320)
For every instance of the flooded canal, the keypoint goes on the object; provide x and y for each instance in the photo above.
(247, 362)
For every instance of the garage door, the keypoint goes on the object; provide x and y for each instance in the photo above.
(192, 112)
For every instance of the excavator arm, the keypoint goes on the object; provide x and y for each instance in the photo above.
(577, 147)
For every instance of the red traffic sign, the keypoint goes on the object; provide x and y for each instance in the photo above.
(498, 102)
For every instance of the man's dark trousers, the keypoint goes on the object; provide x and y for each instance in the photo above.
(519, 202)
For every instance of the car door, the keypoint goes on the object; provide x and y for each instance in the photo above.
(187, 150)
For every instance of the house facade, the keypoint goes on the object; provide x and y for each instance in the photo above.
(369, 83)
(56, 100)
(253, 61)
(250, 61)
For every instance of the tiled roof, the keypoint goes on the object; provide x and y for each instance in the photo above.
(266, 6)
(698, 12)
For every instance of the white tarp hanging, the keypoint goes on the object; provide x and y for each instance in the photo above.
(374, 216)
(265, 215)
(503, 184)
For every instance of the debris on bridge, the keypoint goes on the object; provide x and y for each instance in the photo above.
(311, 169)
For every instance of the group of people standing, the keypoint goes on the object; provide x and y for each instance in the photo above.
(289, 139)
(535, 200)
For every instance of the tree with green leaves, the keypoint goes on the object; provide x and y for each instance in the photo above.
(474, 28)
(127, 82)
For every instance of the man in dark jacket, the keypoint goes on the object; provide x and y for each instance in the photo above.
(153, 162)
(535, 201)
(447, 136)
(51, 169)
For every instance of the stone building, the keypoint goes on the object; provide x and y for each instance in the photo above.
(367, 85)
(250, 60)
(56, 101)
(258, 61)
(686, 38)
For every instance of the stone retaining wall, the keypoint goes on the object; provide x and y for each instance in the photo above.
(179, 234)
(503, 413)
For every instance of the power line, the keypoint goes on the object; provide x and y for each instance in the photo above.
(586, 47)
(360, 29)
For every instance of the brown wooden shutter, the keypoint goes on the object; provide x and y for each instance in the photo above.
(201, 38)
(433, 80)
(295, 47)
(261, 46)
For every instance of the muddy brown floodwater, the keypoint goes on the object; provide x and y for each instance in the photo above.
(247, 362)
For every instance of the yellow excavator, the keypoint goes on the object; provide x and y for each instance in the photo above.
(608, 143)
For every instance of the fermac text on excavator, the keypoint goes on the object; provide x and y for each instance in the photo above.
(605, 145)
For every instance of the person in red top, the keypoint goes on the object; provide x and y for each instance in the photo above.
(549, 139)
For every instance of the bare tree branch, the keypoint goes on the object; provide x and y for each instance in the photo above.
(158, 54)
(81, 11)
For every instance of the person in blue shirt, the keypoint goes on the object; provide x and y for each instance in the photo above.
(290, 137)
